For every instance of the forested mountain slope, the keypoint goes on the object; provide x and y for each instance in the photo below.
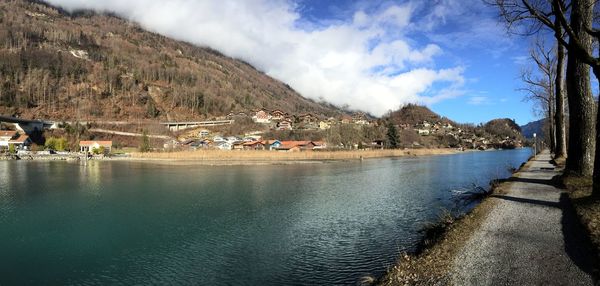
(87, 66)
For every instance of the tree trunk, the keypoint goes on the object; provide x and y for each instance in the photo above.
(560, 149)
(551, 124)
(596, 177)
(580, 157)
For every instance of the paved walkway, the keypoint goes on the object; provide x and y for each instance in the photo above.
(529, 238)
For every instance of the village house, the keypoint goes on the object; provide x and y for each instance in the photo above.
(92, 146)
(218, 139)
(278, 114)
(360, 118)
(307, 118)
(262, 116)
(284, 125)
(223, 145)
(324, 125)
(423, 132)
(255, 145)
(19, 141)
(271, 144)
(296, 146)
(203, 133)
(5, 136)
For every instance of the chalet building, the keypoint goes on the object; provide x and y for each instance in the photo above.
(284, 125)
(90, 146)
(278, 114)
(324, 125)
(360, 118)
(262, 116)
(307, 118)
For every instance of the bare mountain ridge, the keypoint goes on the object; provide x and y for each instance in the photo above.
(89, 66)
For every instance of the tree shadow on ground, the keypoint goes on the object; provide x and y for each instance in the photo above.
(528, 180)
(528, 201)
(577, 243)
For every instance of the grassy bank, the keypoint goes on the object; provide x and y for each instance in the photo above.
(267, 156)
(432, 261)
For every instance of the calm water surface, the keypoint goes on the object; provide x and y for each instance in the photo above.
(138, 223)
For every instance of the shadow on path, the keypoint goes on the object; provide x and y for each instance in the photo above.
(530, 181)
(528, 201)
(577, 243)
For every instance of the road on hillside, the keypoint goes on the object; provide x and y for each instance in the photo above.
(128, 133)
(531, 237)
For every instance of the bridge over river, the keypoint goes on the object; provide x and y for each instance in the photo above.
(28, 125)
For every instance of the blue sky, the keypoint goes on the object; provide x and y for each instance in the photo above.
(452, 55)
(491, 66)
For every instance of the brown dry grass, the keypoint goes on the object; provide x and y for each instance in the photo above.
(265, 156)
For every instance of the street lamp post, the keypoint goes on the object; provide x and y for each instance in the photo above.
(534, 145)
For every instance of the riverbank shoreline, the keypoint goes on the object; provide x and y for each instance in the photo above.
(431, 263)
(228, 158)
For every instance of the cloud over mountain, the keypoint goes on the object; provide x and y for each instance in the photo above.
(368, 62)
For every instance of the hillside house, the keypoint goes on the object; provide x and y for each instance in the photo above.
(262, 116)
(91, 146)
(423, 132)
(360, 118)
(284, 125)
(307, 118)
(278, 114)
(324, 125)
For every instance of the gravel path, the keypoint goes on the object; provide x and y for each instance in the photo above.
(530, 238)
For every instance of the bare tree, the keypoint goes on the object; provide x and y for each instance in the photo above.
(539, 86)
(553, 15)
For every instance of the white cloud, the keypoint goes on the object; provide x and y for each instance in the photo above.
(367, 63)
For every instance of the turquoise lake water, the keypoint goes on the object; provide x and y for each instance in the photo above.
(126, 223)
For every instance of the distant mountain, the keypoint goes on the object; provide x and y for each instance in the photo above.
(503, 127)
(86, 66)
(533, 127)
(413, 114)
